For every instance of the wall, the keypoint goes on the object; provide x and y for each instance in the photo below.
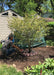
(4, 30)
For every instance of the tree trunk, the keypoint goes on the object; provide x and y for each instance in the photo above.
(52, 5)
(29, 47)
(2, 7)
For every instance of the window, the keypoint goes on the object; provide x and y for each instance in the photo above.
(5, 14)
(13, 14)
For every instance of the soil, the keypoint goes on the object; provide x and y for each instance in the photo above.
(20, 62)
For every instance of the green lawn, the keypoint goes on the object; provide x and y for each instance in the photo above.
(51, 23)
(5, 70)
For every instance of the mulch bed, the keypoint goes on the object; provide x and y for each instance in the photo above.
(21, 62)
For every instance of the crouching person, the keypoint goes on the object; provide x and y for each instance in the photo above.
(8, 47)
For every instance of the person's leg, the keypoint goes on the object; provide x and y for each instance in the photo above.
(10, 51)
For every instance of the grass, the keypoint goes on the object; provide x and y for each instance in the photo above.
(51, 23)
(5, 70)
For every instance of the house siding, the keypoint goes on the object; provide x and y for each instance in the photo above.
(4, 30)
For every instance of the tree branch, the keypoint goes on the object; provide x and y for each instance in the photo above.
(52, 3)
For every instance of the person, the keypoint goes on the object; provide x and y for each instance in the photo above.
(8, 47)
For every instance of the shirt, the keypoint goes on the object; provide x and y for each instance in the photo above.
(7, 44)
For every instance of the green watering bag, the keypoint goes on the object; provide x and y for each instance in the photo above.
(0, 45)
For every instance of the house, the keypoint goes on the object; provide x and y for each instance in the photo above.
(4, 30)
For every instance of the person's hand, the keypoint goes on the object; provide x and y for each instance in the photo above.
(21, 50)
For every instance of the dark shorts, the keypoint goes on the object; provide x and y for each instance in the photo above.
(9, 51)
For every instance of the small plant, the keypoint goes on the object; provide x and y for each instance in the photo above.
(47, 68)
(49, 63)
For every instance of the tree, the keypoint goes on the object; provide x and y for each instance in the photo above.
(5, 3)
(24, 6)
(2, 5)
(52, 4)
(9, 3)
(38, 8)
(46, 4)
(29, 29)
(46, 7)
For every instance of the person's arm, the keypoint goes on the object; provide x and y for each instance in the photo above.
(17, 48)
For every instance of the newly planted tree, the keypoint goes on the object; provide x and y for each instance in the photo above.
(28, 30)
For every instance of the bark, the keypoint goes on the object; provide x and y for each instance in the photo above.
(2, 7)
(29, 47)
(52, 4)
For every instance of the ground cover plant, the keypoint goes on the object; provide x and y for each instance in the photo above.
(47, 68)
(28, 30)
(5, 70)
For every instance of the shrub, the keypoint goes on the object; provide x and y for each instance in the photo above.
(47, 68)
(50, 42)
(29, 29)
(50, 38)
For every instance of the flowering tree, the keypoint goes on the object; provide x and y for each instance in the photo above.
(28, 29)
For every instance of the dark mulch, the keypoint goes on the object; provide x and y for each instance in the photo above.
(19, 61)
